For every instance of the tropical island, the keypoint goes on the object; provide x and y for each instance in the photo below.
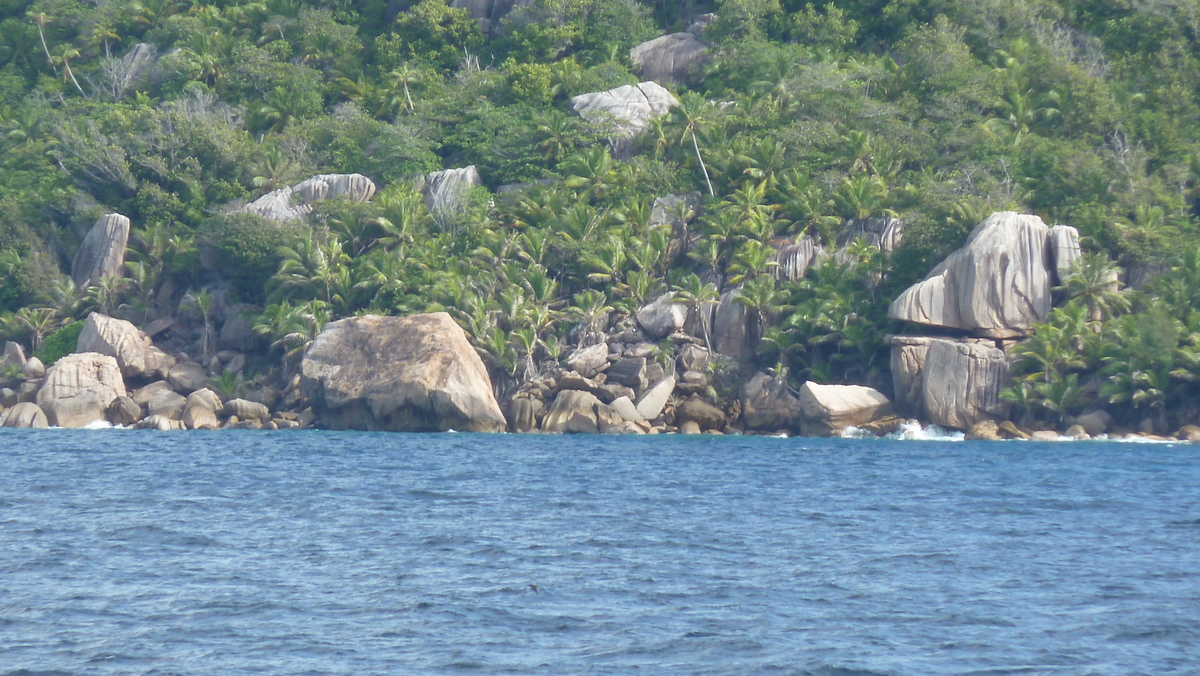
(602, 215)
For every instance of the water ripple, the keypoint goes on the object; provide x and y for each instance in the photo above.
(320, 553)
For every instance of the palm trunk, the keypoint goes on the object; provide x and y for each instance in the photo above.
(702, 167)
(409, 97)
(49, 59)
(67, 67)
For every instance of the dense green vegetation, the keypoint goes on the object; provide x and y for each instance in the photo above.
(808, 116)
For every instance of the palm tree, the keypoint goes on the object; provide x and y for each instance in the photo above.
(68, 52)
(402, 76)
(204, 302)
(691, 114)
(1092, 282)
(555, 129)
(39, 20)
(862, 196)
(761, 297)
(35, 323)
(105, 293)
(696, 294)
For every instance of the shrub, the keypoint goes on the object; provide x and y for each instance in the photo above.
(60, 343)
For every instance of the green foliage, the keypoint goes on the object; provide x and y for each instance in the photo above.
(59, 344)
(436, 34)
(248, 251)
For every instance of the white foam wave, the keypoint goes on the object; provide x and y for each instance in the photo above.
(910, 430)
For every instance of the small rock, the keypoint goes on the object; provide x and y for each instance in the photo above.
(205, 398)
(199, 417)
(1008, 430)
(524, 414)
(1044, 435)
(984, 430)
(8, 397)
(245, 410)
(124, 411)
(187, 377)
(1077, 433)
(160, 423)
(33, 369)
(306, 417)
(625, 407)
(588, 361)
(704, 414)
(25, 414)
(1188, 433)
(167, 403)
(270, 426)
(689, 427)
(1095, 423)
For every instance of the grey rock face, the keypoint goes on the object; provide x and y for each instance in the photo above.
(670, 58)
(1064, 249)
(650, 405)
(446, 190)
(662, 317)
(630, 372)
(102, 253)
(588, 361)
(78, 389)
(14, 355)
(908, 362)
(187, 377)
(410, 373)
(573, 411)
(792, 261)
(626, 111)
(123, 411)
(33, 369)
(961, 383)
(292, 203)
(124, 342)
(24, 414)
(882, 233)
(732, 333)
(767, 405)
(997, 285)
(674, 210)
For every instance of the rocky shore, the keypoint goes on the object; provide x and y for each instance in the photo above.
(663, 369)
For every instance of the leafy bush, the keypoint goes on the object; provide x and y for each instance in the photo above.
(60, 343)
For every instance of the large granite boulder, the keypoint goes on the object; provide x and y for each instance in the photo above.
(588, 361)
(625, 111)
(24, 414)
(733, 333)
(768, 405)
(13, 357)
(415, 373)
(79, 387)
(882, 233)
(662, 317)
(446, 190)
(829, 409)
(294, 202)
(651, 403)
(952, 383)
(187, 377)
(675, 210)
(997, 285)
(670, 58)
(792, 261)
(102, 253)
(1064, 250)
(124, 342)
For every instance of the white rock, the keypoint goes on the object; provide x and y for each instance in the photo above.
(655, 398)
(626, 110)
(291, 203)
(828, 409)
(997, 285)
(587, 361)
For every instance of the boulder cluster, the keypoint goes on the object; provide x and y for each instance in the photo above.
(117, 376)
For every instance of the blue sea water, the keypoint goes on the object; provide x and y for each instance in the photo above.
(126, 552)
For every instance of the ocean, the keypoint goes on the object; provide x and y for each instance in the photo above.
(138, 552)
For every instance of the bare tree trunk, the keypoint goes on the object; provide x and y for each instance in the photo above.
(49, 59)
(702, 167)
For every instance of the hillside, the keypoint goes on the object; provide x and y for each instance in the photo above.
(838, 153)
